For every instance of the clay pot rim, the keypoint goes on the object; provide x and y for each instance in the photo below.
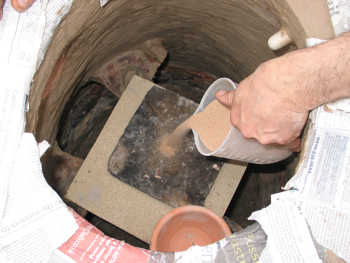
(182, 210)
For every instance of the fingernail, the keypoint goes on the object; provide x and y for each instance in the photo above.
(221, 93)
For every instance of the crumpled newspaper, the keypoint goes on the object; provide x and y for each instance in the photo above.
(317, 203)
(33, 219)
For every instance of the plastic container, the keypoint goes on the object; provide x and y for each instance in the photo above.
(186, 226)
(235, 146)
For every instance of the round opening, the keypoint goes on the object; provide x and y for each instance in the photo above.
(188, 226)
(204, 40)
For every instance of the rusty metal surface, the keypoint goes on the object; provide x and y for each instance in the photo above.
(136, 160)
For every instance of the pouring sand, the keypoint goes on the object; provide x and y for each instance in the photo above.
(212, 124)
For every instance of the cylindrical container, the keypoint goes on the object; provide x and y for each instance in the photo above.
(235, 146)
(187, 226)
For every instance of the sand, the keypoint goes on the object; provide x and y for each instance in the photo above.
(212, 124)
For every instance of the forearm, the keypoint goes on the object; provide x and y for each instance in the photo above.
(334, 75)
(317, 75)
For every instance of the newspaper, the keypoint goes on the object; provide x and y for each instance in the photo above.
(317, 203)
(33, 219)
(16, 59)
(36, 221)
(54, 12)
(343, 105)
(339, 11)
(326, 160)
(89, 245)
(330, 227)
(289, 239)
(323, 180)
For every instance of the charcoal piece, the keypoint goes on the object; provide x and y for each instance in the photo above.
(187, 177)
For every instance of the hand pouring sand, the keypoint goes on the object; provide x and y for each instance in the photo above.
(215, 136)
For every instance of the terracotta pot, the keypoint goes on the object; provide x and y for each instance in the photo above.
(187, 226)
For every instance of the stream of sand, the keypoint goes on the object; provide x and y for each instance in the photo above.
(212, 124)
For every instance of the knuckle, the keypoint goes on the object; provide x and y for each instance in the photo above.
(234, 122)
(234, 118)
(282, 140)
(264, 140)
(247, 133)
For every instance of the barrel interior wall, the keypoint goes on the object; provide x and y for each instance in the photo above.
(226, 38)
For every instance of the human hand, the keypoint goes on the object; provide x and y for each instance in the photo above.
(19, 5)
(264, 106)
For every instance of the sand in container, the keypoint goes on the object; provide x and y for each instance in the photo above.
(212, 125)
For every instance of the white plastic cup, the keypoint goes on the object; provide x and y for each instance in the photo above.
(235, 146)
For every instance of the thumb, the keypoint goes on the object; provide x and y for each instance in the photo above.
(225, 97)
